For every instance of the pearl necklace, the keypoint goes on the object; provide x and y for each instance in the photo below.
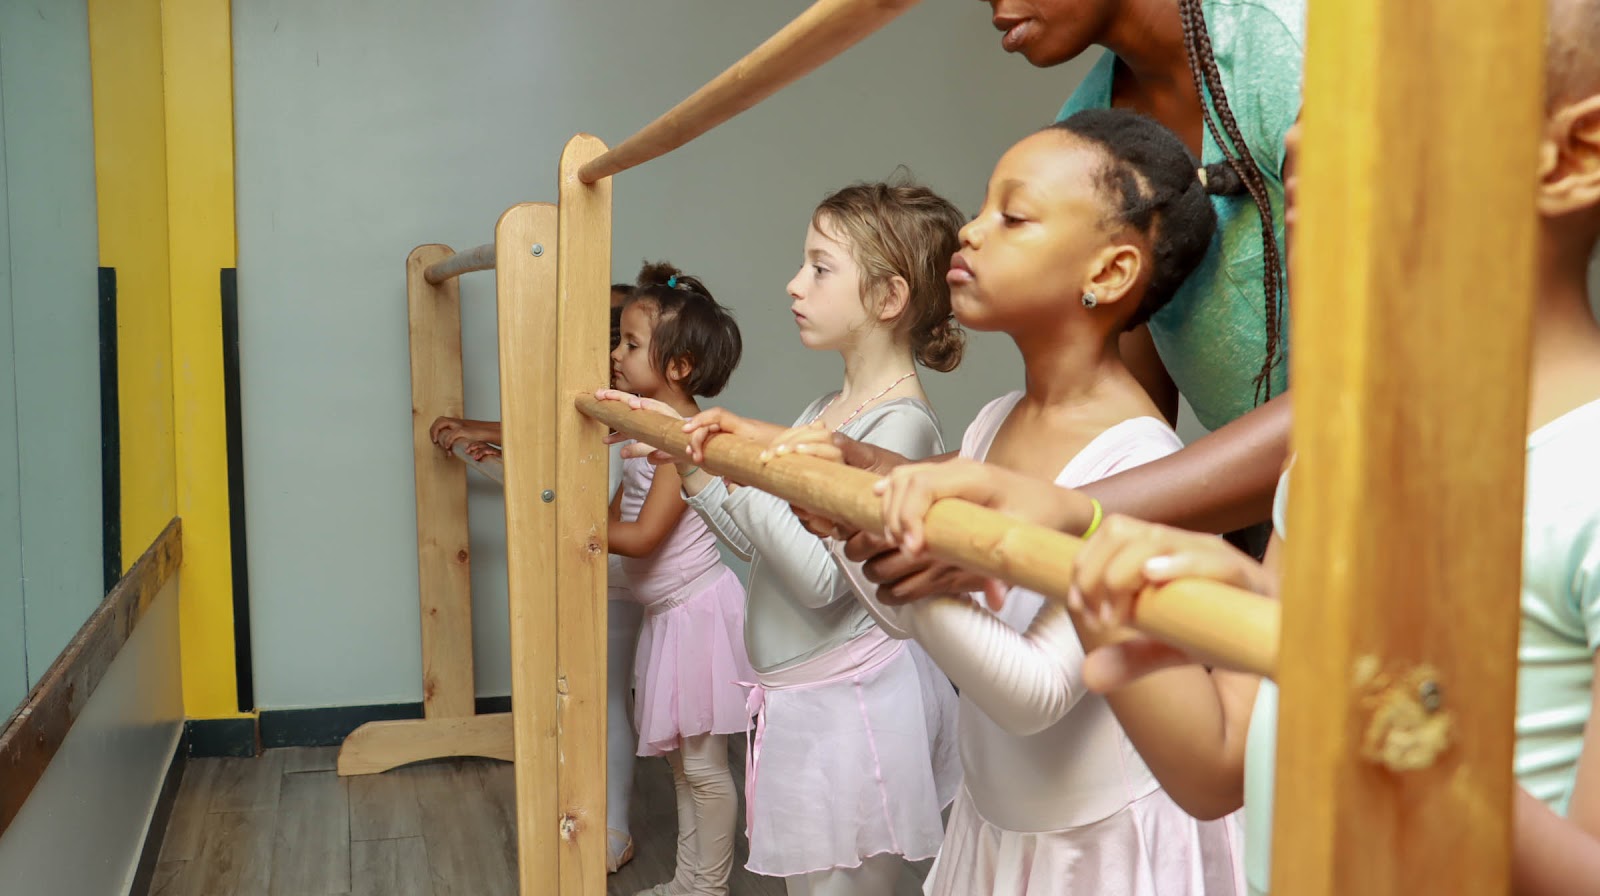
(863, 406)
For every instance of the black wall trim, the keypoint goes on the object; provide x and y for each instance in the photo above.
(242, 664)
(210, 738)
(329, 726)
(154, 836)
(326, 726)
(110, 433)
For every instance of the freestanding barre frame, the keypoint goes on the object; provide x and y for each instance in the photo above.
(450, 725)
(553, 332)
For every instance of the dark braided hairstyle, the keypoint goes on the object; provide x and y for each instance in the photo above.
(1151, 185)
(1203, 65)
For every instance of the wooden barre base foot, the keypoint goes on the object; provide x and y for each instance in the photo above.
(379, 746)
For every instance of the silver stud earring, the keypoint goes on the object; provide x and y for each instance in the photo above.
(1089, 301)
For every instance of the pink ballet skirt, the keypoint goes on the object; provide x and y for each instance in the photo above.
(854, 755)
(690, 673)
(1149, 848)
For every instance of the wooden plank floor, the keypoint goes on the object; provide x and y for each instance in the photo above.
(286, 824)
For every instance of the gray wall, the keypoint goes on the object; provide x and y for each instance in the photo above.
(366, 128)
(80, 832)
(50, 527)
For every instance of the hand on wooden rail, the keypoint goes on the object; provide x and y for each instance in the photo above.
(815, 439)
(1220, 620)
(1125, 562)
(639, 403)
(699, 428)
(447, 431)
(911, 489)
(896, 559)
(718, 421)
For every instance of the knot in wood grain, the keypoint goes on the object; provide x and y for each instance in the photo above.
(1407, 728)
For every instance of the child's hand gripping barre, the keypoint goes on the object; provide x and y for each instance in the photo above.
(1216, 622)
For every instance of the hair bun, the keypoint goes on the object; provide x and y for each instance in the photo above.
(943, 347)
(658, 273)
(1221, 179)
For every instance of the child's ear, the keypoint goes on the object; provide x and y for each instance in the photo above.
(679, 368)
(896, 298)
(1115, 272)
(1569, 159)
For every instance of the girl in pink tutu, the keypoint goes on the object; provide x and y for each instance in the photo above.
(676, 343)
(853, 755)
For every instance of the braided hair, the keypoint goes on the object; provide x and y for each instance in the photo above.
(1150, 184)
(1203, 65)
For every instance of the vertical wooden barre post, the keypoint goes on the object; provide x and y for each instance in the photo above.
(525, 285)
(1414, 282)
(443, 557)
(582, 334)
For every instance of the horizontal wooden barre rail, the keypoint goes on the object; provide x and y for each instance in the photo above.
(491, 467)
(826, 29)
(1218, 623)
(480, 258)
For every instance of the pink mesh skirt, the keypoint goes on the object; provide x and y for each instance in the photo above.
(1149, 848)
(854, 755)
(690, 673)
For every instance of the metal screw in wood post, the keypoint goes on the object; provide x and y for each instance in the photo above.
(548, 495)
(538, 249)
(1430, 696)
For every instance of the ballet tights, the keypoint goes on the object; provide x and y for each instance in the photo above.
(623, 617)
(708, 809)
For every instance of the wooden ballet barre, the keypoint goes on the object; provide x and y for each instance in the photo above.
(1216, 622)
(826, 29)
(477, 259)
(491, 467)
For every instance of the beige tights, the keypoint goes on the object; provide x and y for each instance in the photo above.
(708, 809)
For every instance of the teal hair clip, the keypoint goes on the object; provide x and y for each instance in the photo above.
(672, 282)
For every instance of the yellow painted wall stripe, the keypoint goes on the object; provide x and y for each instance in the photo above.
(130, 162)
(197, 43)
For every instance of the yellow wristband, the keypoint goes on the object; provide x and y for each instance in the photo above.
(1094, 521)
